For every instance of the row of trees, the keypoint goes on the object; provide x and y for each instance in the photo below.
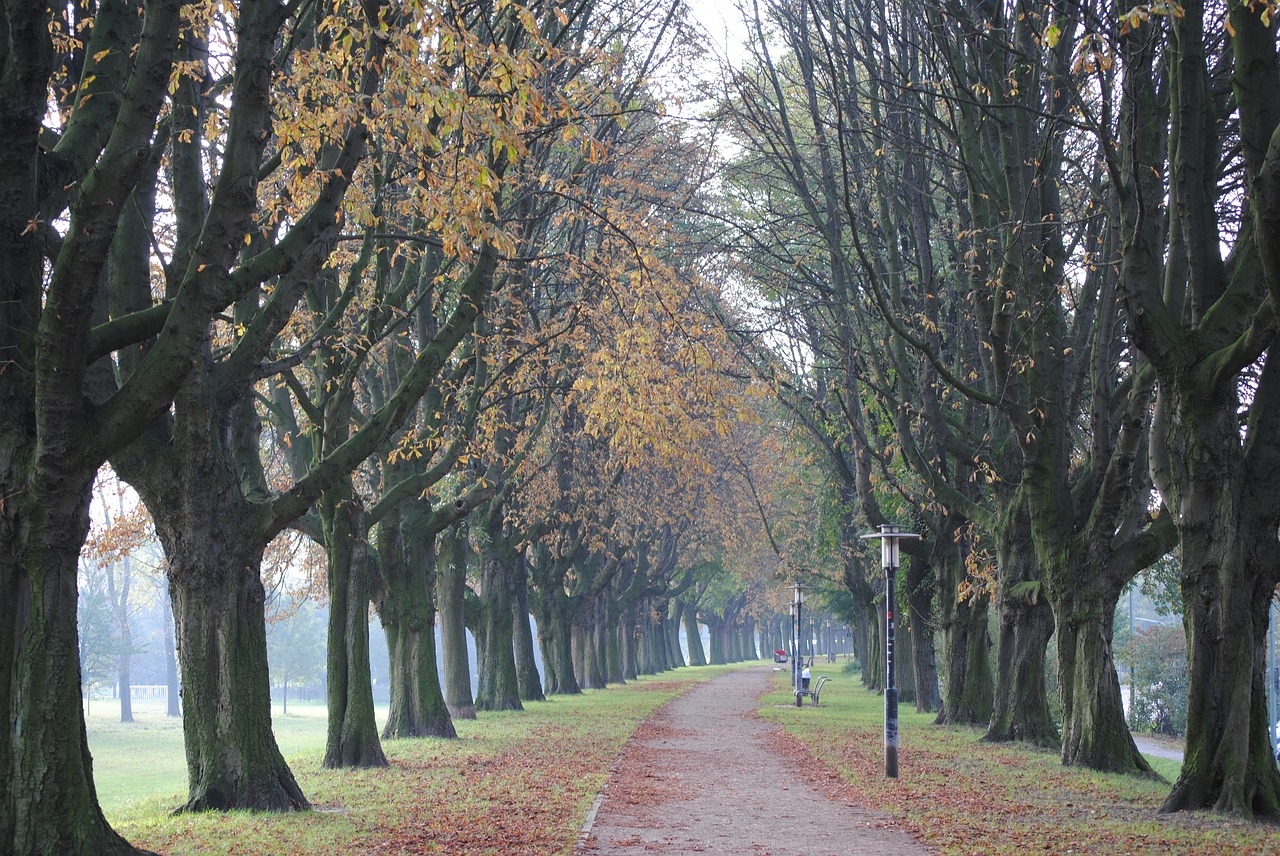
(440, 287)
(402, 278)
(1021, 255)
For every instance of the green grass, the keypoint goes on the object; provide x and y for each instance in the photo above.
(963, 796)
(143, 761)
(512, 783)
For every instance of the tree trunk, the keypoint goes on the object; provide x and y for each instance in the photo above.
(232, 757)
(214, 536)
(499, 687)
(595, 646)
(693, 637)
(49, 802)
(968, 691)
(1021, 706)
(904, 658)
(924, 660)
(353, 731)
(555, 633)
(674, 655)
(719, 646)
(627, 654)
(124, 679)
(1228, 581)
(1095, 732)
(615, 656)
(527, 678)
(452, 584)
(873, 668)
(407, 560)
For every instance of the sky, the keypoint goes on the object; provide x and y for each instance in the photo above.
(722, 20)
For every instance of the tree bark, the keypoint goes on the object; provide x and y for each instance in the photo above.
(50, 803)
(232, 757)
(693, 637)
(214, 538)
(968, 692)
(499, 687)
(353, 731)
(452, 584)
(407, 561)
(924, 659)
(527, 678)
(555, 632)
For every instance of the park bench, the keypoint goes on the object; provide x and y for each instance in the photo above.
(815, 693)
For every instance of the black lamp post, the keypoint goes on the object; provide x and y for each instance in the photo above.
(797, 605)
(889, 536)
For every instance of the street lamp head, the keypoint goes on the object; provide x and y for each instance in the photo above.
(890, 535)
(798, 592)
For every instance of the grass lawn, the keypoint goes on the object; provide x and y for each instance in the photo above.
(513, 783)
(143, 761)
(966, 797)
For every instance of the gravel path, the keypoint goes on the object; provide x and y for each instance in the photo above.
(705, 775)
(1157, 749)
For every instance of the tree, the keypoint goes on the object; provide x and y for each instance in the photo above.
(1199, 294)
(70, 175)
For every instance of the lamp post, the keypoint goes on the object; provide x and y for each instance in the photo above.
(797, 605)
(889, 536)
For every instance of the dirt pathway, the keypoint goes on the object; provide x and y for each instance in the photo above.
(704, 775)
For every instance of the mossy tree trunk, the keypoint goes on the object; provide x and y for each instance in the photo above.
(1204, 316)
(968, 690)
(919, 598)
(407, 562)
(693, 636)
(499, 687)
(452, 587)
(527, 678)
(352, 739)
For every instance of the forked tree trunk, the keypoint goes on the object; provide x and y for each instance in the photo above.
(1020, 709)
(719, 643)
(417, 705)
(1230, 765)
(1095, 731)
(555, 633)
(588, 659)
(1229, 575)
(214, 538)
(615, 655)
(877, 630)
(625, 633)
(674, 655)
(904, 656)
